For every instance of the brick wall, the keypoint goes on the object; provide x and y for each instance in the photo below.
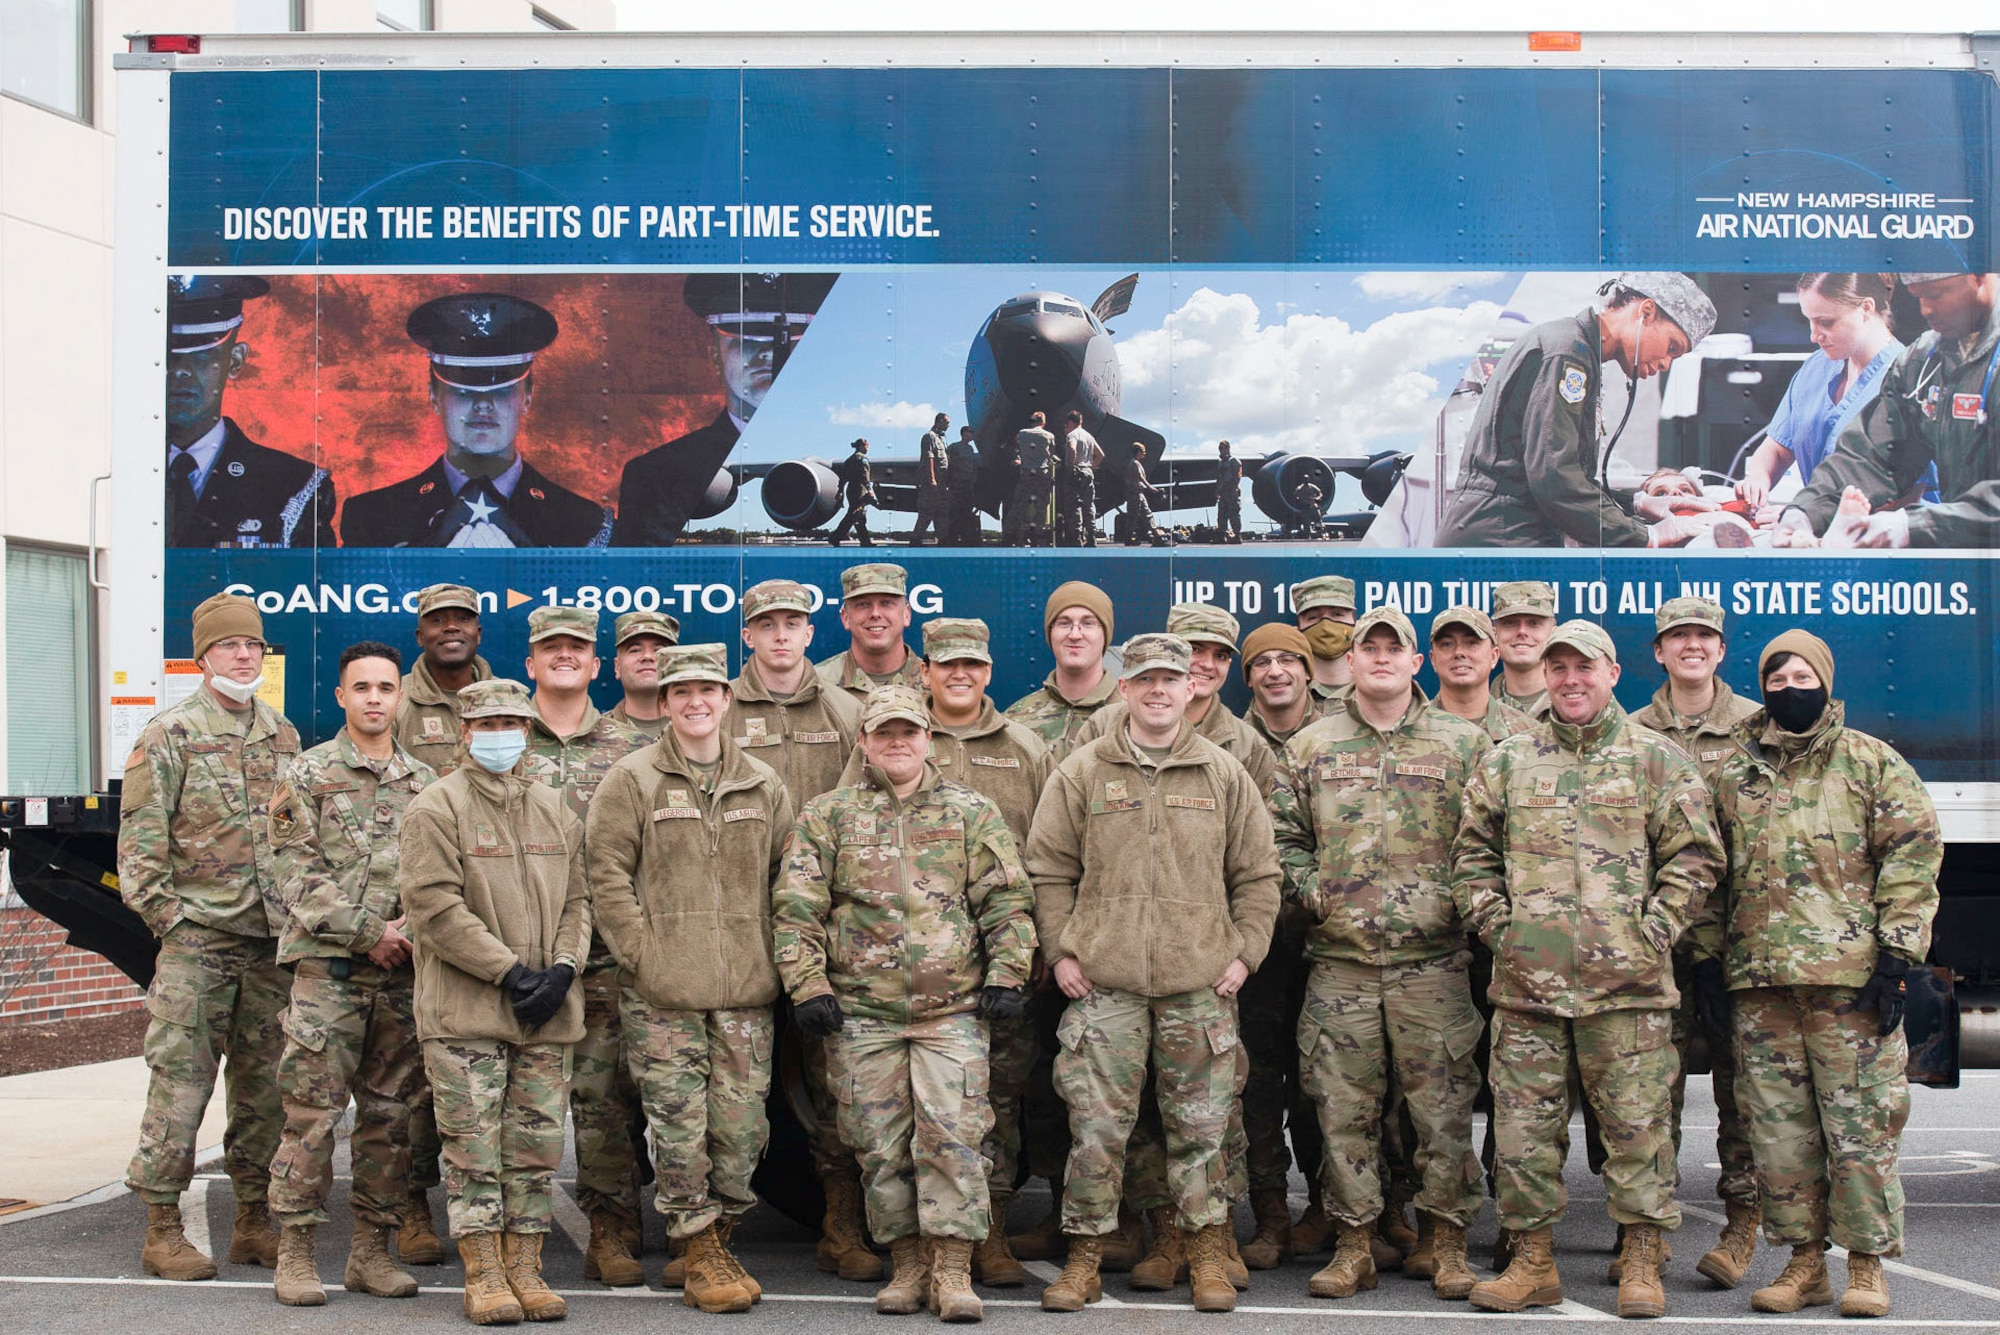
(44, 978)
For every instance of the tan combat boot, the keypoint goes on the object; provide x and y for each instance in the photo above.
(908, 1289)
(1271, 1245)
(1043, 1242)
(1078, 1284)
(674, 1273)
(843, 1243)
(297, 1282)
(1727, 1261)
(1126, 1246)
(710, 1281)
(1802, 1283)
(521, 1254)
(1503, 1251)
(167, 1252)
(1352, 1268)
(488, 1299)
(1867, 1287)
(1451, 1276)
(1615, 1272)
(1385, 1254)
(608, 1259)
(369, 1267)
(725, 1229)
(1208, 1278)
(254, 1238)
(417, 1240)
(994, 1265)
(1420, 1262)
(1394, 1225)
(1232, 1260)
(952, 1298)
(1530, 1279)
(1314, 1230)
(1166, 1264)
(1640, 1293)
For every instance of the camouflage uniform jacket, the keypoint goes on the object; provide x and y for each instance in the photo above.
(1364, 822)
(1154, 878)
(842, 672)
(1218, 725)
(902, 908)
(1316, 709)
(806, 738)
(1583, 854)
(194, 838)
(1503, 720)
(680, 876)
(1707, 738)
(654, 728)
(1057, 719)
(427, 723)
(1332, 694)
(335, 823)
(1833, 854)
(1535, 706)
(994, 757)
(492, 876)
(581, 760)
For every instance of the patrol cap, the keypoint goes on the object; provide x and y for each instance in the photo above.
(1276, 636)
(1144, 653)
(774, 306)
(662, 624)
(437, 597)
(1678, 299)
(1586, 637)
(948, 639)
(1687, 612)
(1203, 623)
(875, 577)
(222, 615)
(1393, 618)
(1323, 591)
(694, 662)
(203, 310)
(776, 595)
(1471, 618)
(481, 340)
(544, 622)
(493, 698)
(1806, 645)
(1524, 597)
(1910, 279)
(893, 702)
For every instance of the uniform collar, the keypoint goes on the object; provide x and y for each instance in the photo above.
(584, 728)
(1107, 686)
(732, 770)
(504, 484)
(988, 722)
(424, 690)
(1599, 732)
(397, 766)
(1419, 704)
(1711, 721)
(263, 721)
(1774, 746)
(750, 686)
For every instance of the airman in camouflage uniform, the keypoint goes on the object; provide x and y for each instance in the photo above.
(1834, 854)
(1323, 608)
(1586, 848)
(902, 917)
(1463, 654)
(1524, 615)
(351, 1029)
(638, 638)
(1078, 622)
(195, 863)
(1365, 808)
(603, 1102)
(875, 609)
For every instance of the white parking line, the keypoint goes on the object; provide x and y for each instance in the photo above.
(194, 1216)
(1893, 1267)
(570, 1219)
(1047, 1272)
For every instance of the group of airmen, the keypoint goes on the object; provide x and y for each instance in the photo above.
(1115, 935)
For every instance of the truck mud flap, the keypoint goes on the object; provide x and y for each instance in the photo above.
(69, 881)
(1930, 1023)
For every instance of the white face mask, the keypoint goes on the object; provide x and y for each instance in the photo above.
(242, 692)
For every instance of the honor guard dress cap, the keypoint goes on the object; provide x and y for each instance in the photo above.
(204, 310)
(481, 340)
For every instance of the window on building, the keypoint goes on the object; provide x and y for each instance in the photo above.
(45, 54)
(270, 15)
(404, 15)
(544, 19)
(48, 672)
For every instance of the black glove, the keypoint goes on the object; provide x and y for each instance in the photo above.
(1885, 990)
(551, 990)
(1711, 999)
(518, 983)
(819, 1017)
(1002, 1003)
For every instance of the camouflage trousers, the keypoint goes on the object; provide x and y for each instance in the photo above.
(1146, 1184)
(354, 1036)
(1026, 520)
(1274, 1098)
(214, 993)
(1108, 1039)
(1738, 1182)
(931, 514)
(1360, 1023)
(1015, 1045)
(702, 1076)
(425, 1147)
(1625, 1060)
(830, 1152)
(603, 1103)
(913, 1105)
(1827, 1099)
(500, 1115)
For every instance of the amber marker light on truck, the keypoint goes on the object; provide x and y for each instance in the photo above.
(1552, 41)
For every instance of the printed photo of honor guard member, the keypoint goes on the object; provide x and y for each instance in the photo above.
(223, 488)
(757, 319)
(481, 492)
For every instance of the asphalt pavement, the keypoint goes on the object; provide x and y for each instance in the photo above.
(75, 1266)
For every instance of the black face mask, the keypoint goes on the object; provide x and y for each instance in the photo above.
(1795, 709)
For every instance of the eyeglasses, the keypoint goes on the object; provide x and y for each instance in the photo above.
(256, 648)
(1275, 659)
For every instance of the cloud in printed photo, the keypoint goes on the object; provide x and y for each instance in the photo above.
(1392, 285)
(899, 416)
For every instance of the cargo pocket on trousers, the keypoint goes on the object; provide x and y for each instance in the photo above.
(304, 1030)
(978, 1078)
(762, 1039)
(1071, 1029)
(1461, 1036)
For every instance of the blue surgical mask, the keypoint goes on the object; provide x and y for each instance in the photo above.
(497, 752)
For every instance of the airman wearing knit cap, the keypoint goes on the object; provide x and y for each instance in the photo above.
(1278, 665)
(1078, 622)
(1533, 453)
(1463, 654)
(1834, 854)
(427, 716)
(1524, 616)
(1324, 609)
(638, 638)
(195, 862)
(1365, 809)
(875, 610)
(1585, 849)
